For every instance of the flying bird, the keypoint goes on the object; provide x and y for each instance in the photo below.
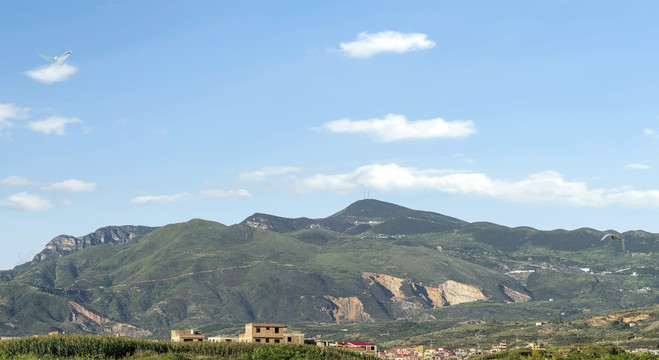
(615, 237)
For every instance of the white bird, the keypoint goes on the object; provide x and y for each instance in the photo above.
(615, 237)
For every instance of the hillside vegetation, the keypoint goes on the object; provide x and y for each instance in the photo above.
(369, 264)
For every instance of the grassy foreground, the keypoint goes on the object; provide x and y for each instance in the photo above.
(104, 347)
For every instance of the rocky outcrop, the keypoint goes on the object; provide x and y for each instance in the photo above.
(393, 284)
(348, 309)
(515, 296)
(641, 317)
(449, 293)
(280, 224)
(95, 323)
(66, 244)
(87, 320)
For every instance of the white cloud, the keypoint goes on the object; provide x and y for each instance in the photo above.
(368, 45)
(637, 166)
(16, 181)
(71, 185)
(9, 112)
(225, 194)
(649, 132)
(53, 125)
(544, 187)
(261, 175)
(157, 198)
(396, 127)
(26, 202)
(52, 74)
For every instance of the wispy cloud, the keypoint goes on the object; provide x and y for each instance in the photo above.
(157, 198)
(26, 202)
(52, 74)
(396, 127)
(544, 187)
(649, 132)
(71, 185)
(10, 112)
(263, 174)
(637, 166)
(53, 125)
(17, 181)
(225, 194)
(367, 45)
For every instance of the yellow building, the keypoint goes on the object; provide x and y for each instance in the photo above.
(535, 346)
(501, 346)
(187, 335)
(270, 334)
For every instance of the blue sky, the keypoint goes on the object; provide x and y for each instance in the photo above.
(536, 113)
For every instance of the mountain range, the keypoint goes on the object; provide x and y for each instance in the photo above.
(372, 262)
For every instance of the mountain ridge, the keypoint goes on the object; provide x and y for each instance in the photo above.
(370, 262)
(63, 245)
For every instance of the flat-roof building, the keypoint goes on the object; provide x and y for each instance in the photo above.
(187, 335)
(268, 333)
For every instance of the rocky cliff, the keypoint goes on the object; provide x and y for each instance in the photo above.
(515, 296)
(452, 292)
(348, 309)
(66, 244)
(391, 283)
(448, 293)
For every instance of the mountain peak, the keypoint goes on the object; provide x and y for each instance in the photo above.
(371, 208)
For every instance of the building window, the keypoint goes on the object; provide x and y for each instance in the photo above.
(257, 340)
(276, 341)
(267, 328)
(267, 340)
(290, 339)
(276, 330)
(258, 329)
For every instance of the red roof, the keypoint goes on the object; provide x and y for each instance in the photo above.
(356, 343)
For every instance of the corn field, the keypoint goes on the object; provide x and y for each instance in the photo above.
(110, 347)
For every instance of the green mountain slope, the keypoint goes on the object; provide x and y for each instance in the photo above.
(371, 262)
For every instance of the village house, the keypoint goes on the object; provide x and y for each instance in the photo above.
(400, 353)
(416, 353)
(223, 338)
(187, 335)
(270, 334)
(362, 347)
(501, 346)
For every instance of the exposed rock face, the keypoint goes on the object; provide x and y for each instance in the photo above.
(85, 318)
(393, 284)
(450, 293)
(96, 323)
(348, 309)
(515, 296)
(457, 293)
(281, 224)
(66, 244)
